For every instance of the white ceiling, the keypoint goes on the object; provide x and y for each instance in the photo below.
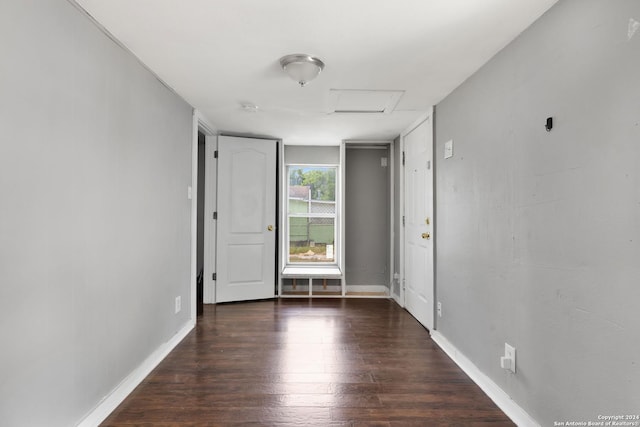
(219, 54)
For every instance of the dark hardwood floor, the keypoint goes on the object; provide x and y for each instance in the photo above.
(302, 362)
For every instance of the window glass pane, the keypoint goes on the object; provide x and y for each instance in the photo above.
(311, 240)
(312, 189)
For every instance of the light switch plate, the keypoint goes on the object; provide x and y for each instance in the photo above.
(178, 305)
(448, 149)
(510, 353)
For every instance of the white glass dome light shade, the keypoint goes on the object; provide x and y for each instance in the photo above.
(302, 68)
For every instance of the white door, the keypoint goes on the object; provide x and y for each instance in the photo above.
(418, 230)
(246, 228)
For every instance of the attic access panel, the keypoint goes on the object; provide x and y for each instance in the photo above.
(363, 101)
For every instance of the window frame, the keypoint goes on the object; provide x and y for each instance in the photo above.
(336, 218)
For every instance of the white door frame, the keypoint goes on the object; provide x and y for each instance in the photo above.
(210, 206)
(201, 124)
(400, 299)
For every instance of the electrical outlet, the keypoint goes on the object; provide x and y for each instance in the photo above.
(178, 304)
(439, 309)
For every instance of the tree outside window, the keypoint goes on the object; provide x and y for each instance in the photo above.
(311, 214)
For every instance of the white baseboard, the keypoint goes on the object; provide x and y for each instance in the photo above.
(368, 288)
(396, 298)
(491, 389)
(117, 396)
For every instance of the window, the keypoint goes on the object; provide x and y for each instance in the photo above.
(311, 214)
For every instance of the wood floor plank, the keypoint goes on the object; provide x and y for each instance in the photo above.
(303, 362)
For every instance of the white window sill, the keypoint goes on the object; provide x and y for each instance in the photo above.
(329, 271)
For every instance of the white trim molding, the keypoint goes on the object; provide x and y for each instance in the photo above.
(341, 217)
(210, 206)
(120, 393)
(490, 388)
(201, 124)
(381, 289)
(193, 194)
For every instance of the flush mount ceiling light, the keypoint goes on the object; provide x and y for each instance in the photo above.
(301, 67)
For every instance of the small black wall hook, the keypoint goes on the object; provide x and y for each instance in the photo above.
(549, 125)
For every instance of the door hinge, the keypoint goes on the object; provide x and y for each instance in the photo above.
(215, 154)
(403, 220)
(215, 215)
(403, 158)
(214, 276)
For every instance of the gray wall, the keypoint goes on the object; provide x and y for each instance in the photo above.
(311, 154)
(95, 160)
(366, 210)
(539, 233)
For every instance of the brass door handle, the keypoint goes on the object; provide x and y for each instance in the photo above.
(426, 236)
(270, 228)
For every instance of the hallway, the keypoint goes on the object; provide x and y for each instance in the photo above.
(300, 362)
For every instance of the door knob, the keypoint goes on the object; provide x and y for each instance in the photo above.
(270, 228)
(426, 236)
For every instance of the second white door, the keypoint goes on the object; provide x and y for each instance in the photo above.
(246, 228)
(418, 230)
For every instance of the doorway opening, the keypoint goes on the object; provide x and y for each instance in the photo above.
(368, 219)
(200, 225)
